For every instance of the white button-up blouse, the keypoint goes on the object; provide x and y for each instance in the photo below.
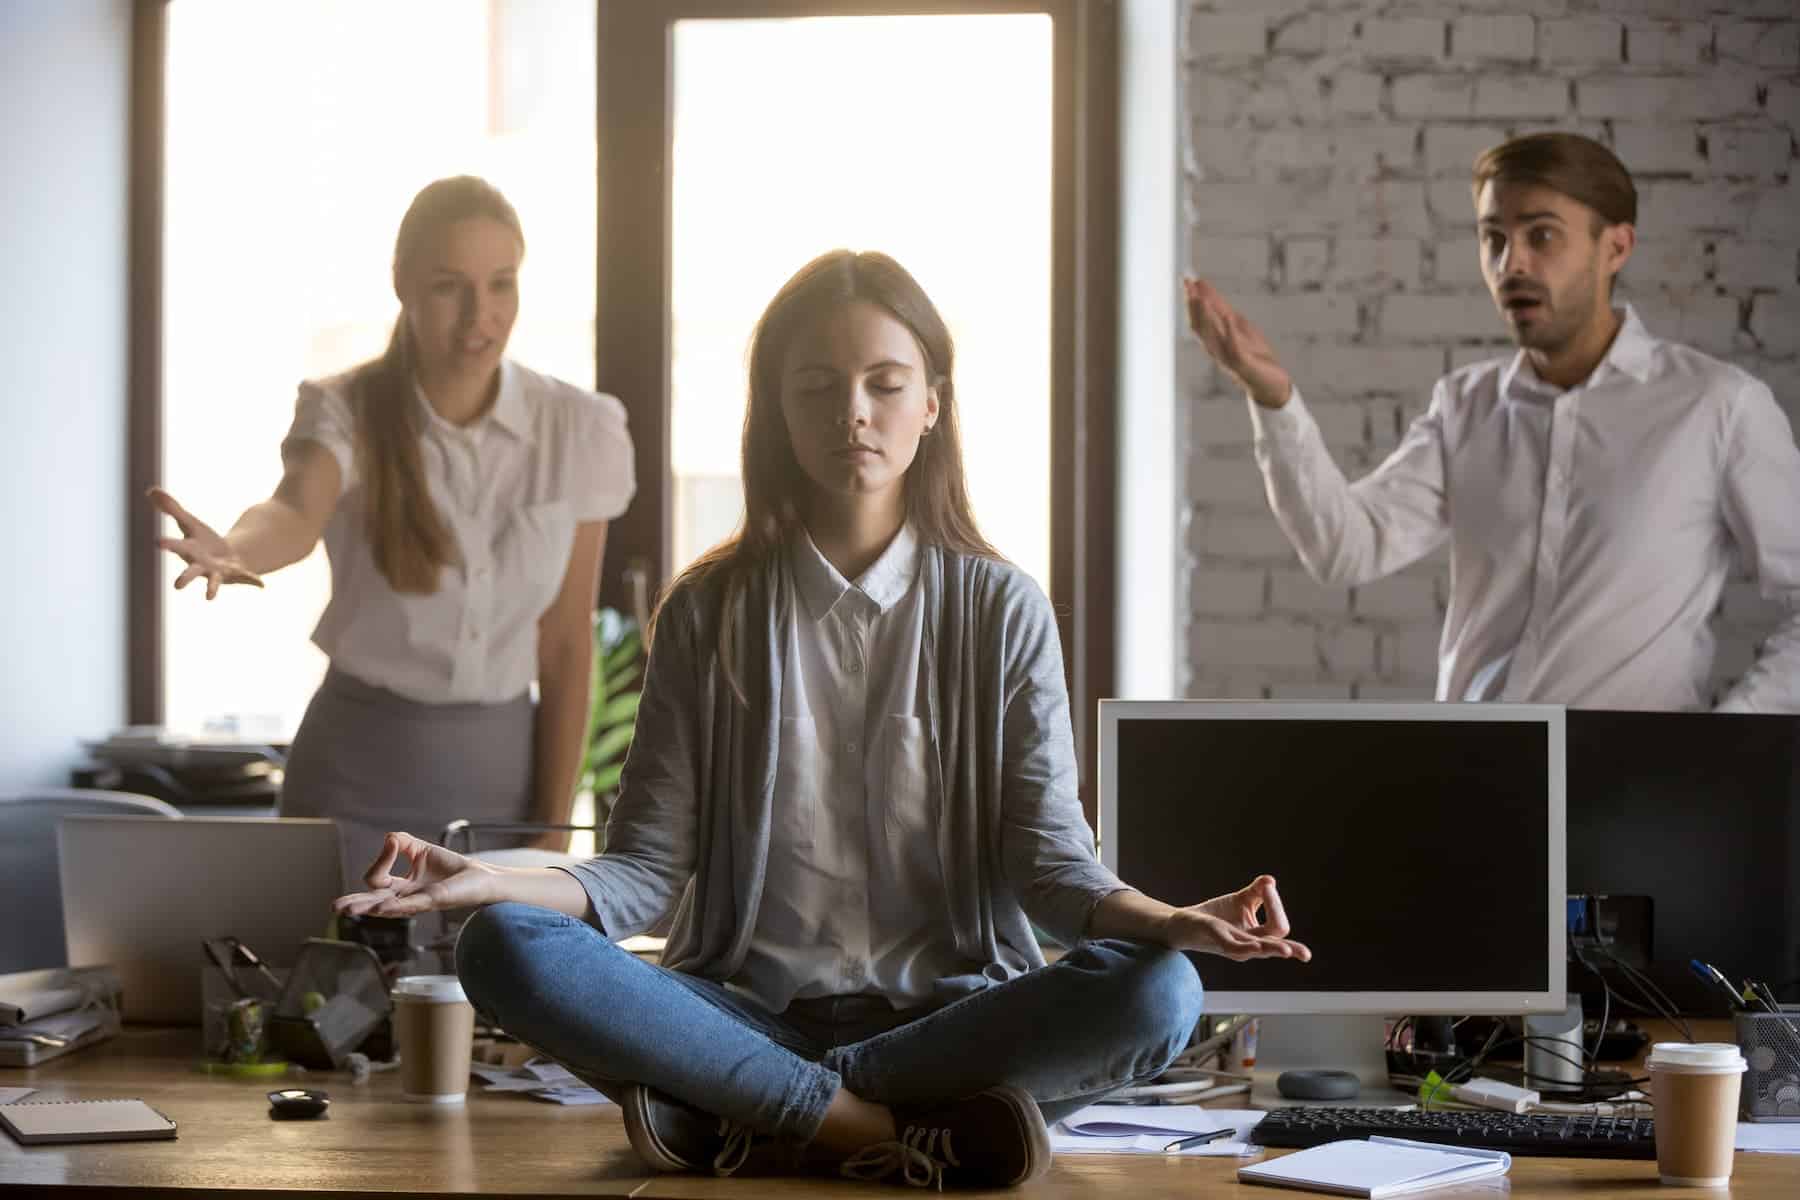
(854, 897)
(512, 486)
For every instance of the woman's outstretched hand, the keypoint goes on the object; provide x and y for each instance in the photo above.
(1247, 923)
(202, 548)
(440, 879)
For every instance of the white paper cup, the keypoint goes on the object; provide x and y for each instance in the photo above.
(1695, 1085)
(434, 1028)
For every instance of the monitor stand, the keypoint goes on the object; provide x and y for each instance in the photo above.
(1317, 1042)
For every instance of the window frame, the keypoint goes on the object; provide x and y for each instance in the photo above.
(144, 401)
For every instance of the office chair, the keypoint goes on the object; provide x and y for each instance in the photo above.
(30, 874)
(464, 837)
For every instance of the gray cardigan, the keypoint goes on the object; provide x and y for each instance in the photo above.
(691, 826)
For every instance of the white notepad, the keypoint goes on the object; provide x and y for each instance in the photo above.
(1377, 1167)
(49, 1121)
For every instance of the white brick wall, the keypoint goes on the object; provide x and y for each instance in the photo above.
(1680, 44)
(1486, 39)
(1327, 158)
(1587, 41)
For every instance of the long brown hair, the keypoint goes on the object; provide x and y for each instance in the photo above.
(936, 493)
(407, 535)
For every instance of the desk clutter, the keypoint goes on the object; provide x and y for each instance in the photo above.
(48, 1013)
(332, 1007)
(1157, 1129)
(203, 773)
(541, 1079)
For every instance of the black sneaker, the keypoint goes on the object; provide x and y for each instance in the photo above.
(672, 1136)
(994, 1138)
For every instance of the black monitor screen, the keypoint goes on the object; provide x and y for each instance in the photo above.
(1699, 814)
(1413, 855)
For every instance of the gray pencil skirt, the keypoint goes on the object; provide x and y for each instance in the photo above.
(372, 761)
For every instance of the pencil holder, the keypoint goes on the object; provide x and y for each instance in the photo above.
(334, 998)
(218, 996)
(1771, 1045)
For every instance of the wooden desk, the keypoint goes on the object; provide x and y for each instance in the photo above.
(377, 1145)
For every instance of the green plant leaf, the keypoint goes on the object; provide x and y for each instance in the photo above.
(596, 689)
(624, 654)
(617, 677)
(619, 708)
(611, 744)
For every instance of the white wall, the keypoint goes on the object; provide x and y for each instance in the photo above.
(1327, 149)
(65, 89)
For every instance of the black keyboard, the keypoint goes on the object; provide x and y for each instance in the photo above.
(1516, 1133)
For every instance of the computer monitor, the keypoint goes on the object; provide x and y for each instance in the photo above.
(1419, 847)
(1696, 815)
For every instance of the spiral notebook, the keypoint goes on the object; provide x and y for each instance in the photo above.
(47, 1121)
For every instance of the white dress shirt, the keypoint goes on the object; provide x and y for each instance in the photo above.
(512, 486)
(853, 899)
(1591, 530)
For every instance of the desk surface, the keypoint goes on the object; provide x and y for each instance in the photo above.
(376, 1144)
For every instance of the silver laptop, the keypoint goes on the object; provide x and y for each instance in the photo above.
(139, 894)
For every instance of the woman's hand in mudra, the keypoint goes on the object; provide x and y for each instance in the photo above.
(440, 879)
(1248, 923)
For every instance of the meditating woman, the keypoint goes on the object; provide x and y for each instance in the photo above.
(853, 785)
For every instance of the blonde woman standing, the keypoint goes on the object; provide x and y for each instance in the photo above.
(463, 500)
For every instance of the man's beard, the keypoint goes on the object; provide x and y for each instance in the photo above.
(1558, 320)
(1549, 335)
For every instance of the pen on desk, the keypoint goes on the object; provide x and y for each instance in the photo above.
(1197, 1139)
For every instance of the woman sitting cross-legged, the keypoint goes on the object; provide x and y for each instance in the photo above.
(853, 784)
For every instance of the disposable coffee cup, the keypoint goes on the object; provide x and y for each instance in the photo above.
(434, 1027)
(1696, 1089)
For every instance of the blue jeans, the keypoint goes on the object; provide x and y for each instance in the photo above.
(1108, 1014)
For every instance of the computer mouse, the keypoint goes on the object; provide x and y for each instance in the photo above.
(1317, 1085)
(298, 1104)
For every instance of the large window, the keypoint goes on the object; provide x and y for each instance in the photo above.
(296, 136)
(790, 139)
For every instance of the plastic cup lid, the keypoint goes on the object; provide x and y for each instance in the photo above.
(439, 988)
(1696, 1056)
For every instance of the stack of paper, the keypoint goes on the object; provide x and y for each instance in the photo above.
(1377, 1167)
(47, 1013)
(1148, 1129)
(541, 1079)
(1768, 1137)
